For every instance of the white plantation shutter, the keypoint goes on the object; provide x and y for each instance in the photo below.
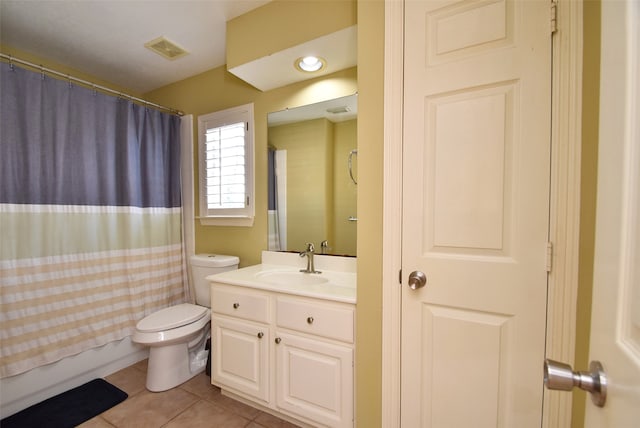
(226, 173)
(226, 166)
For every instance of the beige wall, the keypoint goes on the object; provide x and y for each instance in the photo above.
(370, 180)
(8, 50)
(259, 33)
(217, 90)
(590, 120)
(344, 190)
(309, 147)
(320, 194)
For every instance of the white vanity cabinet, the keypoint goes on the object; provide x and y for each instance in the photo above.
(240, 335)
(314, 359)
(290, 354)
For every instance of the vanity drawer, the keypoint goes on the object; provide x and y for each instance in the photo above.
(240, 303)
(333, 322)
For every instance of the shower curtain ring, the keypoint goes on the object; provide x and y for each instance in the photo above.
(11, 63)
(42, 72)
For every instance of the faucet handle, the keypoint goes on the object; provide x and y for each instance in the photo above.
(310, 247)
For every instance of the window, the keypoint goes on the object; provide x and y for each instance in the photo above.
(226, 167)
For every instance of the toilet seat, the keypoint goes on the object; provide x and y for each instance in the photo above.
(183, 334)
(171, 317)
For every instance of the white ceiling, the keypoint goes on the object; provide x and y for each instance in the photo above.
(336, 110)
(105, 38)
(338, 49)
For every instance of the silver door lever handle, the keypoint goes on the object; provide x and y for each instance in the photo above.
(560, 376)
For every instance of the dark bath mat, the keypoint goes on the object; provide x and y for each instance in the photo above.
(68, 409)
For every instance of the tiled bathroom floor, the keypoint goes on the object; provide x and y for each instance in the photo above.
(195, 403)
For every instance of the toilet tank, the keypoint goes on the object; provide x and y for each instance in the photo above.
(203, 265)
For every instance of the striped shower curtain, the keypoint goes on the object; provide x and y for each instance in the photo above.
(90, 218)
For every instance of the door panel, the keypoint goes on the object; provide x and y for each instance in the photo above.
(468, 136)
(462, 29)
(240, 356)
(315, 379)
(475, 211)
(615, 319)
(476, 361)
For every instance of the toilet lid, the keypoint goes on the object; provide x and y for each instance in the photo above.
(172, 317)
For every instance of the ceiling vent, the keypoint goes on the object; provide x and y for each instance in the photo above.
(166, 48)
(338, 110)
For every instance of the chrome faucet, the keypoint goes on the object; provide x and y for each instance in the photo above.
(309, 253)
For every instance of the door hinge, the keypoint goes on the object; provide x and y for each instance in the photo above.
(554, 16)
(400, 276)
(549, 256)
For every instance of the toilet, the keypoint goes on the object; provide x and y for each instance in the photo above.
(177, 335)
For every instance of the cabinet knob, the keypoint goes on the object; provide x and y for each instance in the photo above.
(260, 335)
(236, 305)
(278, 340)
(310, 320)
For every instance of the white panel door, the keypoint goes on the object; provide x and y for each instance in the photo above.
(476, 167)
(615, 320)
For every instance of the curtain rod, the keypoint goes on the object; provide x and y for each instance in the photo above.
(13, 59)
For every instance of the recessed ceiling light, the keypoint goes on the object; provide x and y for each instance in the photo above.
(310, 63)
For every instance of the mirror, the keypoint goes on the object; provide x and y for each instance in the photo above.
(313, 177)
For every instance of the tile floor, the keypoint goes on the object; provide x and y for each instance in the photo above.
(195, 403)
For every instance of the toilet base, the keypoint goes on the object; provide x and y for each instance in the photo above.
(171, 365)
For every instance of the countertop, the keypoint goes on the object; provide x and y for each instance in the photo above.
(340, 285)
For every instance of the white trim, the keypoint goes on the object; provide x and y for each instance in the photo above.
(392, 212)
(564, 215)
(188, 206)
(564, 227)
(226, 221)
(228, 216)
(281, 187)
(21, 391)
(188, 202)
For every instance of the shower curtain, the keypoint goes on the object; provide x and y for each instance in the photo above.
(272, 212)
(90, 218)
(277, 203)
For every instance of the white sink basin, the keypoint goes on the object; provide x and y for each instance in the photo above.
(291, 278)
(280, 272)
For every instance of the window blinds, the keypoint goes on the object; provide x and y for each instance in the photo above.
(225, 164)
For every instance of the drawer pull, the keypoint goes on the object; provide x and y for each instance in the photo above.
(310, 320)
(260, 335)
(236, 305)
(278, 340)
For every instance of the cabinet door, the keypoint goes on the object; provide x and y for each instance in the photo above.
(314, 379)
(240, 356)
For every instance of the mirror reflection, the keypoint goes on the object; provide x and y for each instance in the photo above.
(313, 171)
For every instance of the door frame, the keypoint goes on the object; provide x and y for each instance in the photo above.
(564, 216)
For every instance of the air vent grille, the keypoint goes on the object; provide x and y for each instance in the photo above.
(338, 110)
(166, 48)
